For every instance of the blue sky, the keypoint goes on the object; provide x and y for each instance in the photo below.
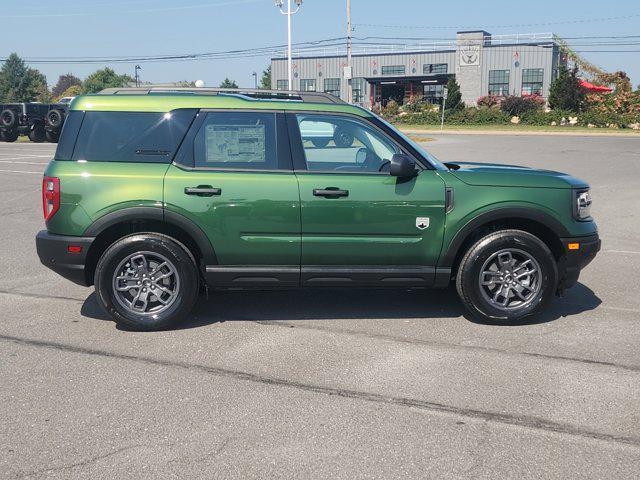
(103, 28)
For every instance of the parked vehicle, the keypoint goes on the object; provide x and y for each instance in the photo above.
(54, 120)
(152, 195)
(23, 119)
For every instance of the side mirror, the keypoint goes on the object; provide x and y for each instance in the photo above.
(402, 166)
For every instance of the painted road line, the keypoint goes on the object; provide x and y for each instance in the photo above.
(21, 171)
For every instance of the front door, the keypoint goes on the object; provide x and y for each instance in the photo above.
(233, 178)
(360, 225)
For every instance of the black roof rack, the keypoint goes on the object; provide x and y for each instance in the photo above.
(306, 97)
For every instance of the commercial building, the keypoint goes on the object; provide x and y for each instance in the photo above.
(482, 63)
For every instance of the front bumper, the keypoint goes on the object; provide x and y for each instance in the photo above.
(54, 252)
(578, 253)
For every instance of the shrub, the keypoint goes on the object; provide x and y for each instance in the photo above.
(391, 109)
(489, 101)
(541, 118)
(516, 106)
(454, 97)
(565, 92)
(478, 116)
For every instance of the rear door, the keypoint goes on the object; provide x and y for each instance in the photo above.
(233, 178)
(360, 225)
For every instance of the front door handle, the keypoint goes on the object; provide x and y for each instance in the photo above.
(330, 192)
(203, 191)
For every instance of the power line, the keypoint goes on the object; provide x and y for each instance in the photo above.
(467, 27)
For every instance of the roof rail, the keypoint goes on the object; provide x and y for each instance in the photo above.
(306, 97)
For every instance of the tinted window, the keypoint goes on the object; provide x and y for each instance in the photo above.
(70, 130)
(339, 143)
(237, 140)
(131, 136)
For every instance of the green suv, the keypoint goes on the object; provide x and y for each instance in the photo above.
(155, 195)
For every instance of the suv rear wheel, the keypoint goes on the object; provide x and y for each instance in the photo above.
(10, 136)
(147, 281)
(507, 276)
(37, 134)
(52, 137)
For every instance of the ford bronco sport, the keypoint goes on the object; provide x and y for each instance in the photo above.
(155, 194)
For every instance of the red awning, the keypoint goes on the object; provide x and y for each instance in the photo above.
(591, 88)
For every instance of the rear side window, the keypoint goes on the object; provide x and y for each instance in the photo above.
(237, 140)
(139, 137)
(70, 130)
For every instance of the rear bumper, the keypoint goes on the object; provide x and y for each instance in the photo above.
(53, 251)
(575, 259)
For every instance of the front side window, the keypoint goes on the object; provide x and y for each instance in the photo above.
(282, 84)
(237, 140)
(499, 82)
(334, 143)
(532, 81)
(142, 137)
(393, 70)
(308, 85)
(332, 86)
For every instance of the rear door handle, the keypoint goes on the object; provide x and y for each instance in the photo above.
(330, 192)
(203, 191)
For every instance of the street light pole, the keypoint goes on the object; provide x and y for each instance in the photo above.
(138, 68)
(255, 79)
(289, 13)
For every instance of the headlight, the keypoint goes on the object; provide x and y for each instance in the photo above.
(582, 205)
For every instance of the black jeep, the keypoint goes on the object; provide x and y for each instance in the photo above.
(54, 120)
(23, 119)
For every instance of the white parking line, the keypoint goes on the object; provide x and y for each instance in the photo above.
(24, 163)
(624, 252)
(22, 155)
(20, 171)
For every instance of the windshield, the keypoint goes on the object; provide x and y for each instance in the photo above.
(429, 157)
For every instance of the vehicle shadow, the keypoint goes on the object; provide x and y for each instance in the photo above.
(342, 304)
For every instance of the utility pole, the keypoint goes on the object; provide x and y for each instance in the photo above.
(348, 72)
(289, 13)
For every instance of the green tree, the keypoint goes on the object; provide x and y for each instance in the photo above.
(105, 78)
(19, 83)
(72, 91)
(265, 81)
(454, 98)
(565, 92)
(226, 83)
(65, 82)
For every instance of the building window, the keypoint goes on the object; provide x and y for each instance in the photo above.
(393, 70)
(433, 93)
(308, 85)
(332, 86)
(282, 85)
(434, 68)
(357, 87)
(532, 81)
(499, 82)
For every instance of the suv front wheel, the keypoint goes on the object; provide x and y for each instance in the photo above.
(147, 281)
(507, 276)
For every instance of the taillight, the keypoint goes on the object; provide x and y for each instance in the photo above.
(50, 196)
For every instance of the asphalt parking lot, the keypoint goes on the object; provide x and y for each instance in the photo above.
(329, 384)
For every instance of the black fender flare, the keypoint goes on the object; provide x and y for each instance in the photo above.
(160, 215)
(507, 213)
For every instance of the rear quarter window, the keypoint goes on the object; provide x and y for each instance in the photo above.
(139, 137)
(68, 136)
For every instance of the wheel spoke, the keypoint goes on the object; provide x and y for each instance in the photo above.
(505, 259)
(140, 263)
(494, 280)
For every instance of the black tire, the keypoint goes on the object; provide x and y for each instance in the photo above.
(52, 137)
(342, 138)
(37, 134)
(469, 286)
(8, 118)
(320, 142)
(186, 291)
(54, 118)
(9, 136)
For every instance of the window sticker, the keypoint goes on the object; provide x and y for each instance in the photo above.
(235, 143)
